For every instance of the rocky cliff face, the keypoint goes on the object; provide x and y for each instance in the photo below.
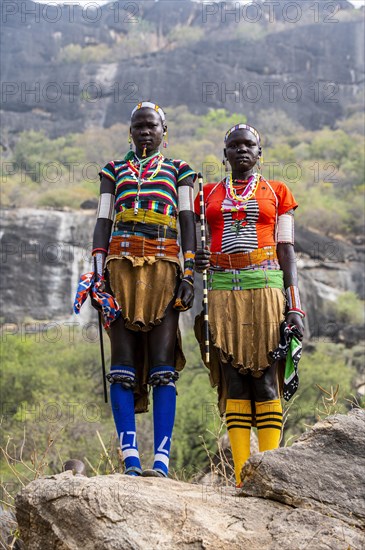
(203, 57)
(43, 254)
(45, 251)
(310, 495)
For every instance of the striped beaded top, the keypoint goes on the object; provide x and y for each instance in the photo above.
(158, 191)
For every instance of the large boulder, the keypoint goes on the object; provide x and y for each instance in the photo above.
(306, 496)
(322, 471)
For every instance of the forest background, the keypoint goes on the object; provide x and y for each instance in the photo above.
(51, 388)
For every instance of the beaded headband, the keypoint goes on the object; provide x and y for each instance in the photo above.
(243, 127)
(150, 105)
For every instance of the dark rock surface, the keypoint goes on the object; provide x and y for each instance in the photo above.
(307, 496)
(291, 61)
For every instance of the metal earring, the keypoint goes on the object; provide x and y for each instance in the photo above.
(260, 162)
(166, 140)
(130, 141)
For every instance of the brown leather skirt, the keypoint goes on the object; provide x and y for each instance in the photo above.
(244, 327)
(144, 287)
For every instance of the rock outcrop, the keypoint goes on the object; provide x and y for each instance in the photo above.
(310, 496)
(333, 456)
(309, 64)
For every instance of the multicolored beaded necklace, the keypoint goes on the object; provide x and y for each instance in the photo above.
(238, 203)
(139, 174)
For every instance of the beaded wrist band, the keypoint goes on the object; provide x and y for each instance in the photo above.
(95, 250)
(293, 300)
(189, 262)
(99, 260)
(297, 311)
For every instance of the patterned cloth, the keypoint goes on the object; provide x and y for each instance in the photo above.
(109, 306)
(290, 349)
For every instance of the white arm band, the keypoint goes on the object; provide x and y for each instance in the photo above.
(106, 206)
(285, 229)
(185, 194)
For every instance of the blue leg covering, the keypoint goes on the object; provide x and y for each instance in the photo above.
(164, 405)
(122, 401)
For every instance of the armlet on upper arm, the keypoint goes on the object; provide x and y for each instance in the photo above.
(106, 206)
(185, 195)
(285, 229)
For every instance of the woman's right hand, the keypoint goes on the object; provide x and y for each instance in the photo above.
(202, 260)
(100, 282)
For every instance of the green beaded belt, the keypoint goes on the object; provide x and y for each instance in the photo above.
(245, 280)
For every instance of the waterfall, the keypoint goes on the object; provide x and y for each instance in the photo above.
(45, 251)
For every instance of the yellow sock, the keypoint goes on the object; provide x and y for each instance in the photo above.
(239, 421)
(269, 421)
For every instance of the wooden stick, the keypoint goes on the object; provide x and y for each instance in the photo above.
(102, 357)
(101, 342)
(205, 274)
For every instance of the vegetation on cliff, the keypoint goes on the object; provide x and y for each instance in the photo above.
(321, 167)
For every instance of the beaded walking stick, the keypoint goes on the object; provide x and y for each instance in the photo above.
(205, 275)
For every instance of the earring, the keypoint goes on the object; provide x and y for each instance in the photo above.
(225, 164)
(166, 140)
(260, 162)
(130, 141)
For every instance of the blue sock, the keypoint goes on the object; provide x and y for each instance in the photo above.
(164, 405)
(122, 401)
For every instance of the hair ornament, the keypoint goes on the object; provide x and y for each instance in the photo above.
(243, 127)
(150, 105)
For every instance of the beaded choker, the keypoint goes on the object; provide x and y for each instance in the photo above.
(140, 174)
(237, 203)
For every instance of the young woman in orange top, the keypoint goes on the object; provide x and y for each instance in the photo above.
(250, 262)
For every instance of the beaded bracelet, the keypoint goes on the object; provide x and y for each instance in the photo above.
(299, 312)
(95, 250)
(187, 281)
(99, 260)
(189, 262)
(293, 300)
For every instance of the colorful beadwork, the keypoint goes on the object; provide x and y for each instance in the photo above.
(189, 263)
(242, 127)
(238, 203)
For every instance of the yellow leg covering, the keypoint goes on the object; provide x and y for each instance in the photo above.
(269, 420)
(239, 421)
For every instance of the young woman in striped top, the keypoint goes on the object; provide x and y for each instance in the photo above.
(250, 261)
(136, 247)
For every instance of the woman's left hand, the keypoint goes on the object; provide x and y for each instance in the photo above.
(294, 319)
(185, 294)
